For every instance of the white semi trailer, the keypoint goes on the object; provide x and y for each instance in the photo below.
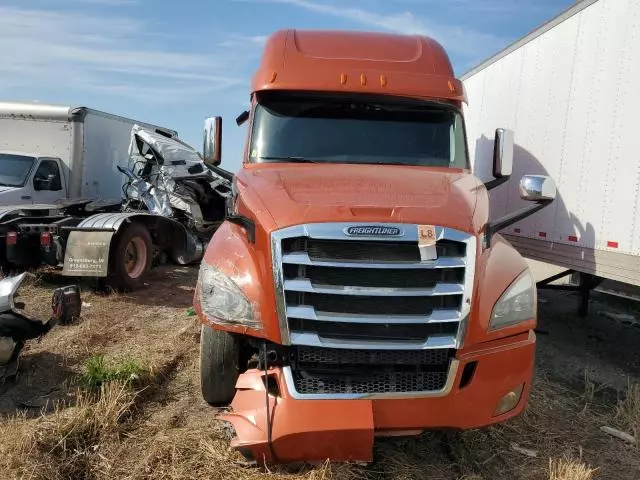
(570, 92)
(50, 153)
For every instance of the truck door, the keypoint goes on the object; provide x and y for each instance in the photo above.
(47, 183)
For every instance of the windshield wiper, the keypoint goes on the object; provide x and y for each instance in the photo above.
(290, 159)
(436, 162)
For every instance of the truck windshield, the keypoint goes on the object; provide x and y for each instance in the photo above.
(299, 128)
(14, 169)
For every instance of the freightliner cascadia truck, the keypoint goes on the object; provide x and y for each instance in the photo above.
(357, 288)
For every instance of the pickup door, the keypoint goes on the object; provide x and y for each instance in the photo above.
(46, 184)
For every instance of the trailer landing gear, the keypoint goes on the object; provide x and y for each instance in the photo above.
(586, 283)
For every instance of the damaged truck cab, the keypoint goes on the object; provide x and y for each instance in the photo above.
(358, 287)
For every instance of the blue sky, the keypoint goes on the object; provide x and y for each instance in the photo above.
(173, 63)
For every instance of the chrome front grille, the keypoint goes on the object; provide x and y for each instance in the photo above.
(370, 294)
(337, 291)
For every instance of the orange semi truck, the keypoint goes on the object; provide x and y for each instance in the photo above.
(357, 287)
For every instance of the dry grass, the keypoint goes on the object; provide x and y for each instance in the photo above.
(163, 430)
(570, 469)
(185, 453)
(63, 444)
(589, 388)
(96, 439)
(628, 412)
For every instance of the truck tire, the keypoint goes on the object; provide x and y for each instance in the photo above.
(219, 358)
(131, 258)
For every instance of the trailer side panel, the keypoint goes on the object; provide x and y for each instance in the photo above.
(571, 96)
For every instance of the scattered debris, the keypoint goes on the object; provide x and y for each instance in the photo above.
(618, 434)
(524, 451)
(191, 312)
(17, 326)
(622, 318)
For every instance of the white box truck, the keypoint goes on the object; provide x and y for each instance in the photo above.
(50, 153)
(570, 92)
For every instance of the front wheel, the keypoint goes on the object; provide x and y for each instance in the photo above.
(130, 258)
(219, 369)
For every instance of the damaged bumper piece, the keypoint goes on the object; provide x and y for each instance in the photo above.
(17, 326)
(279, 424)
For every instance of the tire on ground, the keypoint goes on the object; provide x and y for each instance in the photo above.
(219, 370)
(131, 258)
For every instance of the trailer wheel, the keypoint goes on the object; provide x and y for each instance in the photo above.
(219, 358)
(131, 258)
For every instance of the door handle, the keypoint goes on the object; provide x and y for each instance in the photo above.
(26, 197)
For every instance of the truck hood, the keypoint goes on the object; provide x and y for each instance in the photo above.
(12, 195)
(282, 195)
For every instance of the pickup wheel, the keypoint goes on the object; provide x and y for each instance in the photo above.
(130, 258)
(219, 359)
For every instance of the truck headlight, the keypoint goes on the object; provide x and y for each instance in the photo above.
(517, 304)
(222, 300)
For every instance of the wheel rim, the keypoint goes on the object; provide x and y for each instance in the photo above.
(135, 257)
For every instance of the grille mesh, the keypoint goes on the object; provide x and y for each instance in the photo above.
(334, 371)
(334, 356)
(306, 383)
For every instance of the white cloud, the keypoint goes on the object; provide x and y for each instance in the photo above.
(492, 7)
(240, 40)
(112, 54)
(463, 41)
(111, 3)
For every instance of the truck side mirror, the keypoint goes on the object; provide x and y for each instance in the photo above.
(212, 147)
(537, 188)
(502, 157)
(503, 153)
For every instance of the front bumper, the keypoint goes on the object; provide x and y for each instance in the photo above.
(344, 429)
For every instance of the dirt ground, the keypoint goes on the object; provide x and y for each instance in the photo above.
(165, 430)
